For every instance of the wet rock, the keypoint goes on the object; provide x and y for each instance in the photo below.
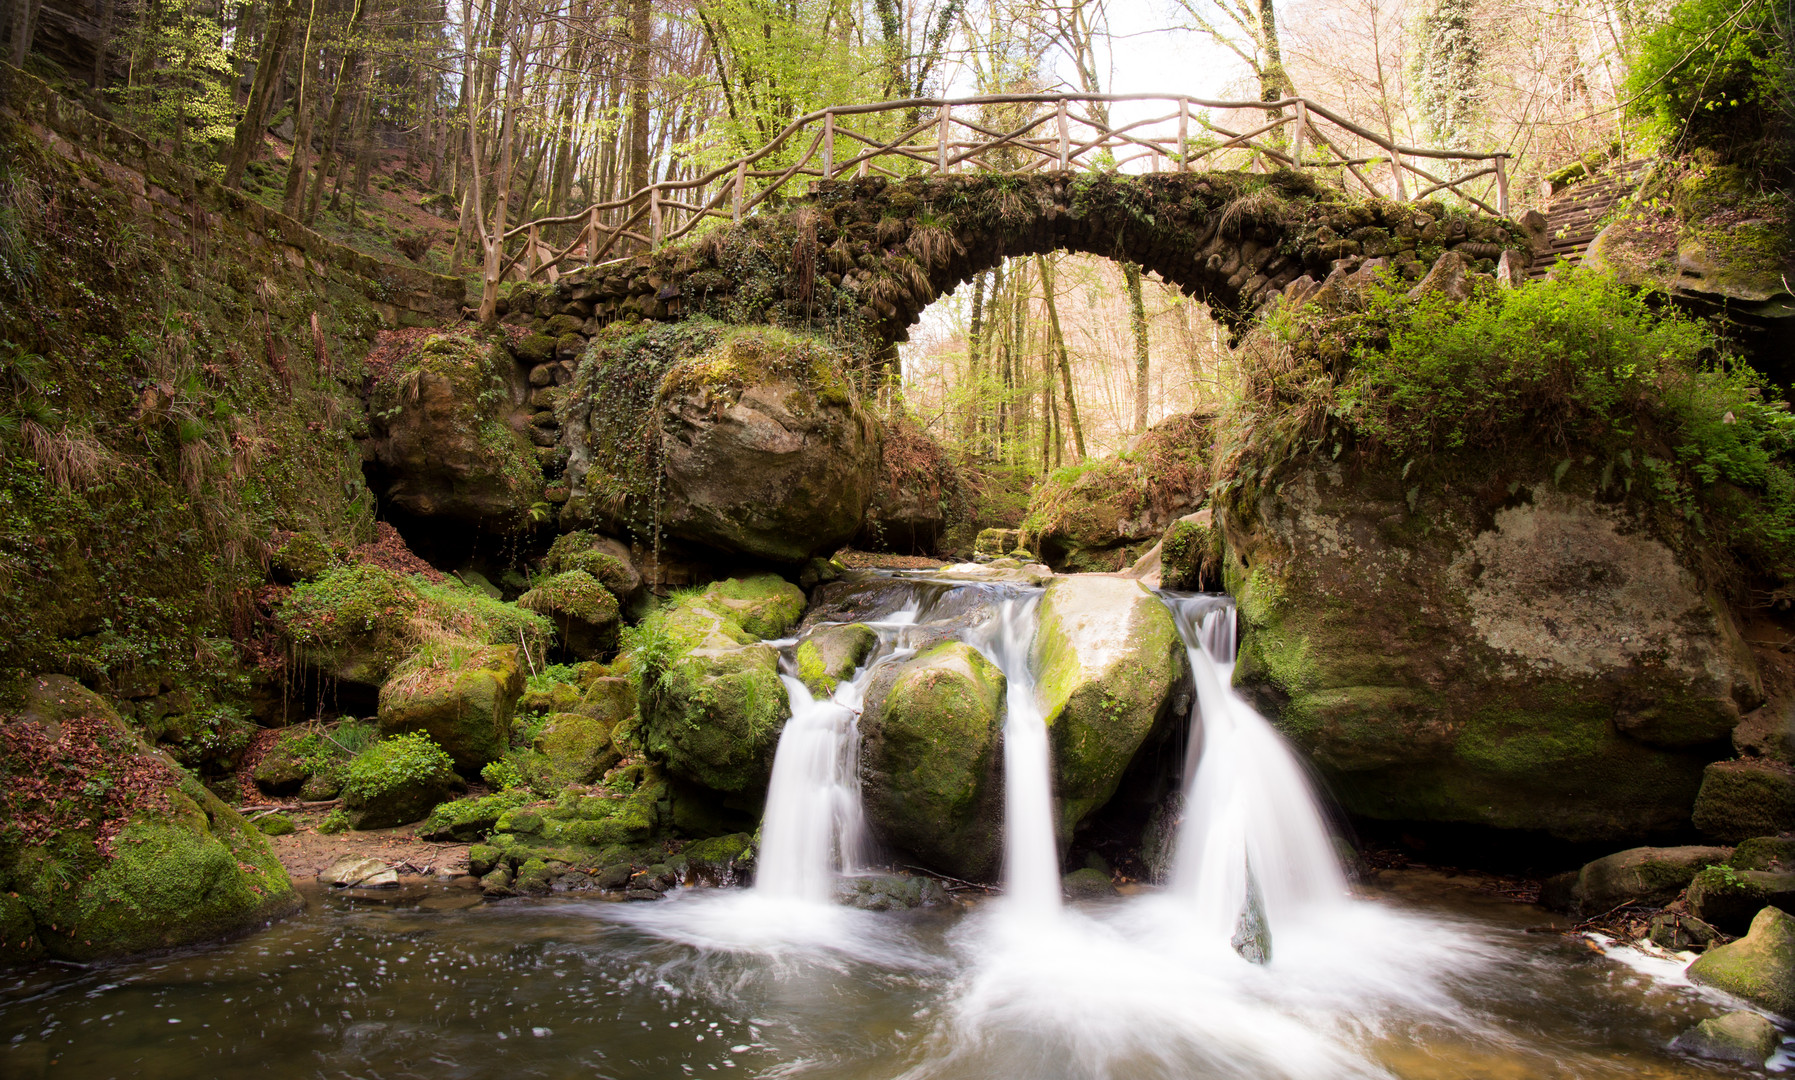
(722, 860)
(1681, 932)
(829, 654)
(1444, 650)
(1190, 554)
(891, 892)
(497, 882)
(1087, 884)
(1744, 1037)
(1728, 898)
(1647, 876)
(359, 872)
(1742, 799)
(1109, 665)
(466, 710)
(929, 760)
(584, 612)
(534, 877)
(1759, 967)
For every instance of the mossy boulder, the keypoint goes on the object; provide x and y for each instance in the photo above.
(1742, 799)
(996, 543)
(1101, 514)
(711, 703)
(552, 697)
(930, 767)
(108, 848)
(275, 825)
(583, 611)
(472, 819)
(1109, 665)
(1744, 1037)
(1759, 967)
(721, 860)
(829, 654)
(463, 702)
(608, 698)
(588, 828)
(1190, 554)
(1483, 642)
(1648, 876)
(1775, 853)
(397, 781)
(602, 557)
(1728, 898)
(282, 771)
(575, 749)
(762, 444)
(302, 557)
(440, 444)
(765, 605)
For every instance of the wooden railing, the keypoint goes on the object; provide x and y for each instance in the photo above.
(1008, 133)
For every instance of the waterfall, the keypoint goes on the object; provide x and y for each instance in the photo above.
(813, 828)
(1252, 828)
(1031, 851)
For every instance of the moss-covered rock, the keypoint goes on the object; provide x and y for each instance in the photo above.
(757, 436)
(996, 543)
(302, 557)
(550, 697)
(1744, 1037)
(575, 749)
(602, 557)
(1764, 853)
(1759, 967)
(711, 703)
(1742, 799)
(588, 828)
(929, 760)
(1108, 665)
(721, 860)
(108, 848)
(1103, 513)
(1190, 554)
(462, 700)
(1647, 876)
(765, 605)
(829, 654)
(1728, 898)
(583, 610)
(472, 819)
(1483, 642)
(282, 771)
(396, 781)
(275, 824)
(440, 445)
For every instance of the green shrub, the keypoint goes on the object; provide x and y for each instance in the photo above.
(400, 759)
(502, 775)
(549, 675)
(336, 821)
(1715, 76)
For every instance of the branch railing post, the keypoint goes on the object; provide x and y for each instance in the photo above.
(1302, 124)
(828, 145)
(654, 215)
(1183, 134)
(1502, 184)
(741, 189)
(941, 138)
(1065, 138)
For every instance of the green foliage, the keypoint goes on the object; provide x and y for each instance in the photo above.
(550, 675)
(408, 758)
(181, 78)
(502, 775)
(367, 601)
(337, 821)
(1447, 80)
(1716, 75)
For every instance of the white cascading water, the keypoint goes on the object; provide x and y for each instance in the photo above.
(1031, 851)
(813, 829)
(1248, 806)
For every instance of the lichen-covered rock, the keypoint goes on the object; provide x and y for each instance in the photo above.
(829, 654)
(1108, 665)
(1742, 799)
(396, 781)
(711, 703)
(1744, 1037)
(1645, 875)
(1483, 642)
(1102, 514)
(107, 847)
(753, 442)
(1759, 967)
(465, 706)
(929, 760)
(584, 612)
(440, 444)
(602, 557)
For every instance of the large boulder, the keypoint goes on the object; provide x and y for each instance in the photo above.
(930, 767)
(711, 705)
(829, 654)
(1101, 515)
(1485, 643)
(1645, 875)
(753, 441)
(1108, 664)
(1742, 799)
(463, 702)
(107, 847)
(1759, 967)
(1728, 898)
(1744, 1037)
(606, 559)
(397, 781)
(441, 442)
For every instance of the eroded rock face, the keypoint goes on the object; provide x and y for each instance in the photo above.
(1109, 665)
(152, 861)
(1484, 643)
(930, 763)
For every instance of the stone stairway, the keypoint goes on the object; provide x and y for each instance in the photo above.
(1573, 215)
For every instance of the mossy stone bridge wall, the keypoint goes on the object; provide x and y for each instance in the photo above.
(181, 204)
(860, 259)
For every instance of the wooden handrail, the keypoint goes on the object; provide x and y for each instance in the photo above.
(1057, 148)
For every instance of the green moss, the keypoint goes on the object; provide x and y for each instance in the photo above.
(577, 551)
(1764, 853)
(572, 594)
(811, 670)
(471, 819)
(303, 557)
(275, 824)
(764, 606)
(395, 762)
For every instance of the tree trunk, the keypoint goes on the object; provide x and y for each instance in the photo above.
(24, 28)
(302, 124)
(1059, 345)
(1272, 83)
(973, 344)
(262, 92)
(331, 122)
(494, 241)
(1137, 309)
(641, 29)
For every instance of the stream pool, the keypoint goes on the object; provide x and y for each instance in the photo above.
(1426, 980)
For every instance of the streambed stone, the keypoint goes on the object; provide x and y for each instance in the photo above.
(1759, 967)
(1740, 1036)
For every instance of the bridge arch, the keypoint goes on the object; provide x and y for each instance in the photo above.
(861, 259)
